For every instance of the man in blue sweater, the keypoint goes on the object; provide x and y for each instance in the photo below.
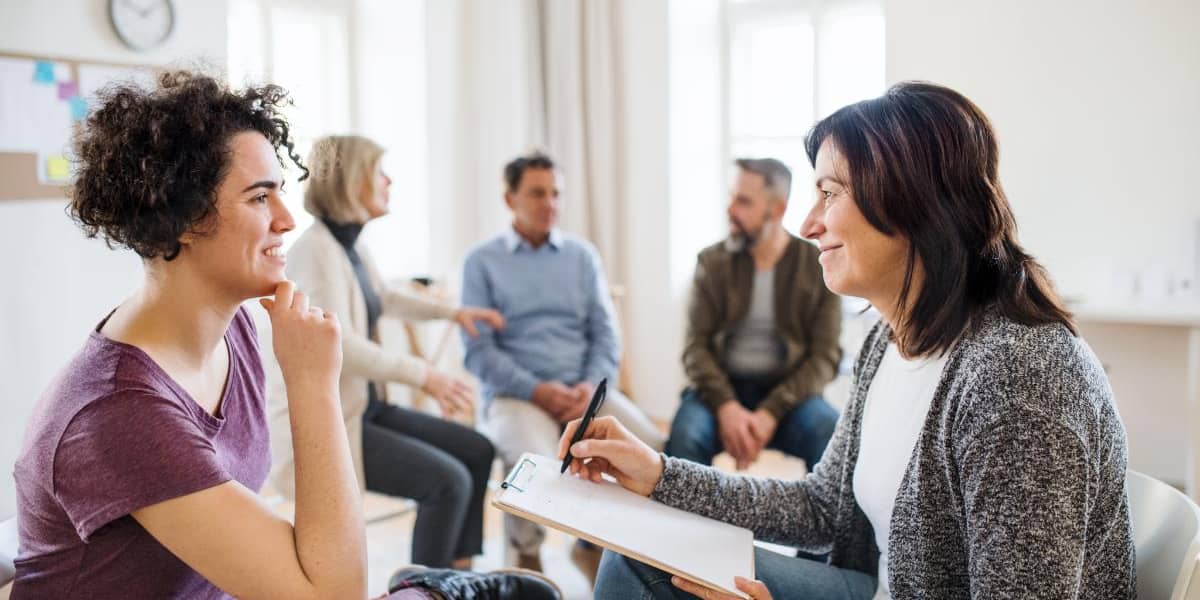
(559, 341)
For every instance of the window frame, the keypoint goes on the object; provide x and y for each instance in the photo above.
(820, 15)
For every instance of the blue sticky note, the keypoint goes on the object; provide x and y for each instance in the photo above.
(43, 72)
(78, 108)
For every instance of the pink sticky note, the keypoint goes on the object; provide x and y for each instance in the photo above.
(67, 90)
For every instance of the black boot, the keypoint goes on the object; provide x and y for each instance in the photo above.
(512, 584)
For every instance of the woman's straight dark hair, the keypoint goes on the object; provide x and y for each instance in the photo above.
(922, 163)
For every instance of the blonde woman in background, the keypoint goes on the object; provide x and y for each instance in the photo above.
(441, 464)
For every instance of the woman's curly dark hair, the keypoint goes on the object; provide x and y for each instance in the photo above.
(149, 160)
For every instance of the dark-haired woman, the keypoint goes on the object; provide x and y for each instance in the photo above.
(140, 467)
(980, 454)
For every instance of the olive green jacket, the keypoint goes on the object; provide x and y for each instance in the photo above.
(807, 315)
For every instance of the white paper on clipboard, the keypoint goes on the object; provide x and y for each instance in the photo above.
(703, 550)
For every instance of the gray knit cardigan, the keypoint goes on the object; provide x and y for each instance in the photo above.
(1015, 489)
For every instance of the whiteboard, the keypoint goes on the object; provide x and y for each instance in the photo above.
(703, 550)
(41, 100)
(33, 117)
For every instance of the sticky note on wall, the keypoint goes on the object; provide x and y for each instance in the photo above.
(58, 169)
(43, 72)
(78, 108)
(67, 90)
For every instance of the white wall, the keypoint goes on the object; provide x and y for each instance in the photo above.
(1097, 108)
(56, 284)
(653, 310)
(80, 29)
(389, 58)
(699, 167)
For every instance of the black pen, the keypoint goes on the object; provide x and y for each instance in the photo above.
(588, 415)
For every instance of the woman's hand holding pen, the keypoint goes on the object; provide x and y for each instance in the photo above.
(609, 448)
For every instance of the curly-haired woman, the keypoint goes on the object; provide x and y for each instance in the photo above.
(138, 475)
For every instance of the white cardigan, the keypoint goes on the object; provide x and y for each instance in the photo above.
(318, 264)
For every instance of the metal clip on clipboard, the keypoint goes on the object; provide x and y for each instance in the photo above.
(521, 476)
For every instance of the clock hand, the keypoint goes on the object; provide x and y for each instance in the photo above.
(140, 10)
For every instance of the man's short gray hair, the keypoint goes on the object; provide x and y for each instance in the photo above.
(777, 178)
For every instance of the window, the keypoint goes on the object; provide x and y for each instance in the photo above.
(771, 75)
(789, 64)
(783, 64)
(302, 47)
(350, 67)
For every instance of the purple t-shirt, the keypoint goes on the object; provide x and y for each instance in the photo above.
(114, 433)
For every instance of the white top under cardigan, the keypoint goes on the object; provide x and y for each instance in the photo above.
(897, 405)
(319, 266)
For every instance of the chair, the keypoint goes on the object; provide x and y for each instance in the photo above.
(8, 553)
(1166, 535)
(624, 379)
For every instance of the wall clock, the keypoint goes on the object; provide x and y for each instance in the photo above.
(142, 24)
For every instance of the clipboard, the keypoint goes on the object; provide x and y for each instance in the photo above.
(702, 550)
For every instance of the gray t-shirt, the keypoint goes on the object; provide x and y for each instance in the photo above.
(754, 346)
(114, 433)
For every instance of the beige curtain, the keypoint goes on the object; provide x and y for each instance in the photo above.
(577, 47)
(510, 76)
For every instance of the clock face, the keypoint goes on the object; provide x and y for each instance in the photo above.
(142, 24)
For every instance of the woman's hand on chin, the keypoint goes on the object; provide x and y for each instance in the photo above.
(306, 339)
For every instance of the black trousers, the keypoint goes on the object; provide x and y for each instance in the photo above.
(442, 465)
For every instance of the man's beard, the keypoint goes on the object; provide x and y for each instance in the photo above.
(744, 237)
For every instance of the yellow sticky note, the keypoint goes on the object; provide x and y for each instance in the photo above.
(58, 169)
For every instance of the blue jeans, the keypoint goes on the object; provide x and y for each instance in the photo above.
(786, 577)
(803, 432)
